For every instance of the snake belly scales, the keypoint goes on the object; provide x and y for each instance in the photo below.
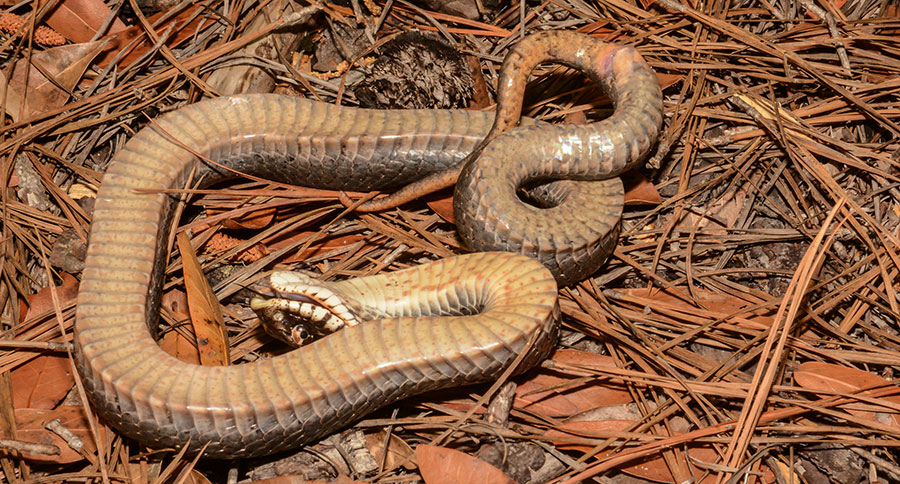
(292, 399)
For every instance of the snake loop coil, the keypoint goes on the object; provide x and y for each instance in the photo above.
(283, 402)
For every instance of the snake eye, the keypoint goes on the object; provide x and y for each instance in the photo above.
(299, 336)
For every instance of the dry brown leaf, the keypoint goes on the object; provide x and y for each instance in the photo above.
(457, 404)
(323, 244)
(173, 342)
(720, 305)
(652, 468)
(179, 346)
(597, 429)
(42, 301)
(639, 190)
(398, 451)
(30, 424)
(283, 480)
(195, 477)
(441, 203)
(341, 479)
(30, 93)
(560, 402)
(203, 305)
(480, 98)
(816, 375)
(668, 80)
(533, 395)
(42, 382)
(837, 6)
(785, 471)
(182, 30)
(254, 220)
(344, 479)
(176, 302)
(575, 117)
(79, 20)
(439, 465)
(719, 216)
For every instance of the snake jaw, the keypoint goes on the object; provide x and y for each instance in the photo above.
(298, 309)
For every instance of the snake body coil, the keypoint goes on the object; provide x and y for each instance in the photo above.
(283, 402)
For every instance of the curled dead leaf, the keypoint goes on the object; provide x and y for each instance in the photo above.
(816, 375)
(652, 468)
(203, 306)
(42, 382)
(30, 427)
(399, 453)
(254, 220)
(639, 190)
(439, 465)
(322, 245)
(720, 216)
(80, 20)
(178, 28)
(341, 479)
(179, 346)
(556, 394)
(551, 393)
(29, 92)
(42, 301)
(675, 300)
(442, 204)
(174, 342)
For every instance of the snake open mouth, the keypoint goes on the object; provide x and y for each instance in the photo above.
(297, 309)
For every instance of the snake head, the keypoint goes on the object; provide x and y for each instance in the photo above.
(298, 309)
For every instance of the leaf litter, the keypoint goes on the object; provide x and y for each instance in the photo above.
(749, 312)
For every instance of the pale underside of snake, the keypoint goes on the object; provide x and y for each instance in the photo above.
(447, 323)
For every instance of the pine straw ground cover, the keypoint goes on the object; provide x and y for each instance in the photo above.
(744, 330)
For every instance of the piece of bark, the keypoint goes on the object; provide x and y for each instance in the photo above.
(248, 77)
